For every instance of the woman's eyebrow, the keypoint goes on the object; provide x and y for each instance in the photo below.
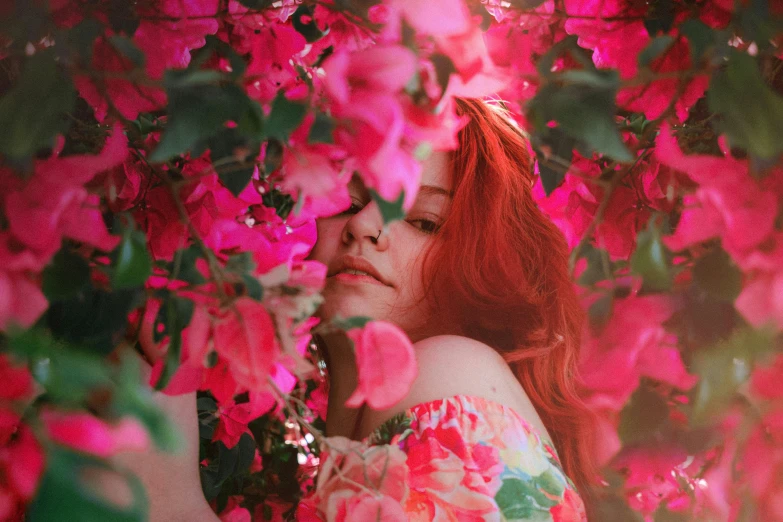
(433, 190)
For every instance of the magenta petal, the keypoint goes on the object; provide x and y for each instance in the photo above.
(386, 365)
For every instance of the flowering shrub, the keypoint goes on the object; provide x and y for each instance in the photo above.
(162, 163)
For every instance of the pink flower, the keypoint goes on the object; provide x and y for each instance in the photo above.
(245, 338)
(168, 31)
(728, 203)
(233, 512)
(84, 432)
(617, 43)
(386, 365)
(312, 172)
(653, 477)
(21, 465)
(272, 49)
(632, 345)
(364, 86)
(762, 465)
(54, 203)
(40, 212)
(17, 380)
(435, 17)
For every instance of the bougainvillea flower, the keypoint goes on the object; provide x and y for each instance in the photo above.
(435, 17)
(312, 173)
(232, 423)
(633, 344)
(729, 203)
(272, 49)
(167, 32)
(653, 477)
(21, 300)
(84, 432)
(374, 141)
(386, 365)
(245, 338)
(21, 465)
(54, 202)
(378, 69)
(234, 512)
(189, 375)
(17, 380)
(615, 31)
(762, 463)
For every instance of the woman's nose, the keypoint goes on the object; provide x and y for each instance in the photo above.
(366, 226)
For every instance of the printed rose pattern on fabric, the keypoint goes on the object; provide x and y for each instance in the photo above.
(469, 458)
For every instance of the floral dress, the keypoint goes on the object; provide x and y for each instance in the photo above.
(461, 458)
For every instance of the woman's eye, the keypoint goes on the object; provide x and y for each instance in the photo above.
(425, 225)
(353, 209)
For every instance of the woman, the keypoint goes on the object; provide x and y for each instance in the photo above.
(477, 277)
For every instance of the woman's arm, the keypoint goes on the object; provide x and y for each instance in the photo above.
(172, 480)
(453, 365)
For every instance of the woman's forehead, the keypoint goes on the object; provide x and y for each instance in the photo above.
(435, 170)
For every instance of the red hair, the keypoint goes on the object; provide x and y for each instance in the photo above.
(504, 266)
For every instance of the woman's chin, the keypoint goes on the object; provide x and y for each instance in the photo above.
(345, 308)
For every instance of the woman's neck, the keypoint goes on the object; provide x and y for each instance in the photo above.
(340, 419)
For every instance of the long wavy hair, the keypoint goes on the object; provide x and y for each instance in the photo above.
(504, 266)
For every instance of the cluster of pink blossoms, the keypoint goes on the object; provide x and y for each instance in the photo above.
(377, 75)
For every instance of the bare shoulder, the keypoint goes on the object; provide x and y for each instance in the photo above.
(454, 365)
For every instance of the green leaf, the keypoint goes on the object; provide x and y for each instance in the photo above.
(67, 374)
(321, 131)
(357, 321)
(94, 318)
(232, 157)
(645, 414)
(700, 38)
(598, 261)
(652, 260)
(756, 124)
(660, 17)
(284, 118)
(281, 202)
(33, 112)
(390, 210)
(179, 311)
(198, 109)
(304, 23)
(123, 17)
(554, 151)
(600, 311)
(716, 274)
(523, 500)
(63, 494)
(657, 47)
(128, 49)
(723, 368)
(757, 24)
(187, 258)
(66, 275)
(257, 4)
(253, 287)
(134, 263)
(585, 110)
(132, 397)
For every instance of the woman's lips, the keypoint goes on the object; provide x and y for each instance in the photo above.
(344, 277)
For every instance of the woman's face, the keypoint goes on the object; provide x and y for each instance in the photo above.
(350, 246)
